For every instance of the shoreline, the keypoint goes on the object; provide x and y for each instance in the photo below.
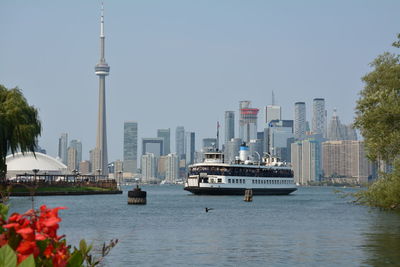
(66, 193)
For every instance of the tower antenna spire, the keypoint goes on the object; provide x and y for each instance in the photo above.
(273, 98)
(102, 20)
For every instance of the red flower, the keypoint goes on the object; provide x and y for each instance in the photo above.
(27, 233)
(14, 217)
(34, 226)
(61, 256)
(48, 252)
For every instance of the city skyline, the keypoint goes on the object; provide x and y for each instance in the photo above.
(137, 29)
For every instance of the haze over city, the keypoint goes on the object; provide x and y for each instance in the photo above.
(184, 63)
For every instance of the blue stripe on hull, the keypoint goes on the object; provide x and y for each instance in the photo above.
(239, 191)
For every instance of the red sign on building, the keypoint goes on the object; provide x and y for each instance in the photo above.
(249, 111)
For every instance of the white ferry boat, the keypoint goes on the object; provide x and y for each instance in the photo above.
(268, 176)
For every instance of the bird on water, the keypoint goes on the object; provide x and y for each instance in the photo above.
(207, 209)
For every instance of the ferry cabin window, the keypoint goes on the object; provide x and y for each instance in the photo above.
(229, 181)
(219, 180)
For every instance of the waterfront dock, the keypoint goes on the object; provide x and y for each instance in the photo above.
(55, 185)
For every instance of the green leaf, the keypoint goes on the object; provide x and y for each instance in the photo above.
(28, 262)
(42, 244)
(3, 211)
(83, 246)
(76, 259)
(7, 257)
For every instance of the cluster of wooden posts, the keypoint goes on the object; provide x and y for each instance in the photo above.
(248, 195)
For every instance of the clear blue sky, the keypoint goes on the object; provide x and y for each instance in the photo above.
(186, 62)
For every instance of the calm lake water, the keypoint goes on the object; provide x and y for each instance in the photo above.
(311, 227)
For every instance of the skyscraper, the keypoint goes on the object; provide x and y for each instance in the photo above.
(94, 155)
(102, 70)
(296, 154)
(232, 150)
(62, 148)
(78, 147)
(339, 131)
(229, 125)
(162, 167)
(72, 166)
(256, 149)
(306, 161)
(190, 146)
(319, 117)
(278, 136)
(247, 121)
(311, 161)
(130, 146)
(335, 130)
(272, 112)
(299, 120)
(166, 135)
(346, 160)
(154, 146)
(149, 167)
(180, 142)
(84, 167)
(172, 170)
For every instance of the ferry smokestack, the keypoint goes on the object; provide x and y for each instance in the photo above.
(244, 152)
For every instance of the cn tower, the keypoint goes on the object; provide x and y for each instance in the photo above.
(102, 70)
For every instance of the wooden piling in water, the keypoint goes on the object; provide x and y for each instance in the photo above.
(248, 195)
(137, 196)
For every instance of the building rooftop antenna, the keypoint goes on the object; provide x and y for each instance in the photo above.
(273, 98)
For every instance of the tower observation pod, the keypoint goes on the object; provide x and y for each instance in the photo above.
(102, 68)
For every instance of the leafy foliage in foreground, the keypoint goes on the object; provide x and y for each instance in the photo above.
(378, 109)
(19, 125)
(378, 118)
(31, 239)
(383, 193)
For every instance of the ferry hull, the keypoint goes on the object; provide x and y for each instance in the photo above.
(238, 191)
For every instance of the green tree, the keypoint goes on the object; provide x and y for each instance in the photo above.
(378, 118)
(19, 125)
